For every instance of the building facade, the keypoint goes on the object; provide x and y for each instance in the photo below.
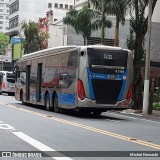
(4, 16)
(32, 10)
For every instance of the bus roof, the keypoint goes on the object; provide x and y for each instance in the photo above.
(46, 51)
(65, 48)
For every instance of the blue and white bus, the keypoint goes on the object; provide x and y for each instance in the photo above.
(93, 78)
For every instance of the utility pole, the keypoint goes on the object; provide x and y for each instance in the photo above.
(147, 65)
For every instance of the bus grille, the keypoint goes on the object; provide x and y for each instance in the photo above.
(106, 91)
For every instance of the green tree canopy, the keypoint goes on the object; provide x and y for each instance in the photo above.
(4, 42)
(101, 11)
(119, 10)
(80, 21)
(35, 39)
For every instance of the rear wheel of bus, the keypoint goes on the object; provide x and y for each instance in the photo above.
(47, 102)
(55, 104)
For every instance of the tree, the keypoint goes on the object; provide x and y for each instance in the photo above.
(138, 27)
(35, 39)
(101, 12)
(4, 42)
(118, 9)
(80, 21)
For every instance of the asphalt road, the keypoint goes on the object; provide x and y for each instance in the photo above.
(32, 128)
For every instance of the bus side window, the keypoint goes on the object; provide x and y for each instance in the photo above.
(72, 60)
(72, 66)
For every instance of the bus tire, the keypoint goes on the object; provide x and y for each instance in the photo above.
(55, 104)
(97, 113)
(47, 102)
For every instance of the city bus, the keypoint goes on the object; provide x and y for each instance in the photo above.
(91, 79)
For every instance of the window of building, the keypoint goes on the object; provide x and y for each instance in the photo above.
(71, 6)
(14, 7)
(1, 22)
(7, 28)
(66, 6)
(49, 5)
(13, 22)
(1, 10)
(1, 27)
(7, 17)
(1, 4)
(61, 5)
(56, 5)
(1, 17)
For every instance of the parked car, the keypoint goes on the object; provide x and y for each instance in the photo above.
(7, 82)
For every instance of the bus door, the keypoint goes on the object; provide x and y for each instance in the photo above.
(39, 80)
(28, 74)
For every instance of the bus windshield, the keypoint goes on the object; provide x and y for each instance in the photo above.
(107, 61)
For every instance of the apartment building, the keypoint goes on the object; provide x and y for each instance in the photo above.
(4, 16)
(25, 10)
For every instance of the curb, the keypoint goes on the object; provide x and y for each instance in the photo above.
(155, 113)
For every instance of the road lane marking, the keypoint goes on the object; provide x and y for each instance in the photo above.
(6, 126)
(40, 146)
(111, 134)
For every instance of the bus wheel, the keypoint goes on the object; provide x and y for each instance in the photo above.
(47, 102)
(97, 113)
(55, 103)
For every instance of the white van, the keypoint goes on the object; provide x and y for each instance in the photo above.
(7, 82)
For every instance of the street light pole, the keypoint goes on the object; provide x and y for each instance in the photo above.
(147, 65)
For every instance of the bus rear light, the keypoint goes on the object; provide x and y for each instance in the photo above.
(3, 85)
(81, 91)
(129, 95)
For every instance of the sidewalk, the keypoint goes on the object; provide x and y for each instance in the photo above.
(155, 115)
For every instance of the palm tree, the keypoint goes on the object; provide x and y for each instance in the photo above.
(119, 9)
(101, 11)
(80, 21)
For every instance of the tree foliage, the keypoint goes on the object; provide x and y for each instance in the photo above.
(119, 10)
(80, 21)
(101, 10)
(4, 42)
(35, 39)
(138, 30)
